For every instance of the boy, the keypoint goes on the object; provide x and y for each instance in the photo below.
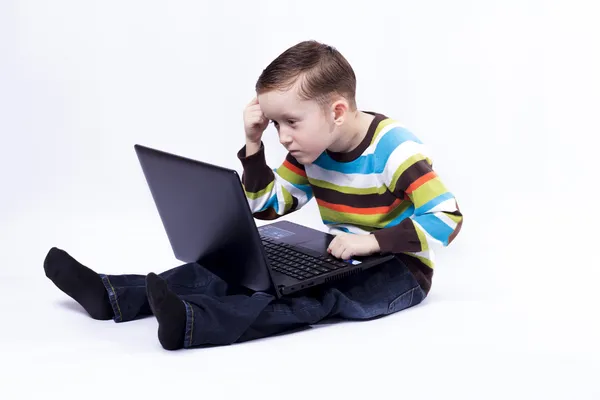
(375, 188)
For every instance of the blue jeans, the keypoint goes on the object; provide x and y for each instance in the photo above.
(218, 314)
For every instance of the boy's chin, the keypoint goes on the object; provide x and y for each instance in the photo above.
(304, 159)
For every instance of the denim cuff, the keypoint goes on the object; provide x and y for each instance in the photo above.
(189, 325)
(112, 297)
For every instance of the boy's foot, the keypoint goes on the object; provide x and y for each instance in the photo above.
(78, 281)
(169, 310)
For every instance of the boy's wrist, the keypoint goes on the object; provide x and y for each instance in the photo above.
(252, 147)
(375, 248)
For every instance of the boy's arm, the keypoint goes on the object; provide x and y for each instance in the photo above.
(436, 219)
(273, 193)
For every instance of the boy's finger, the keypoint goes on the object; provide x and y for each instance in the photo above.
(335, 252)
(258, 112)
(332, 244)
(347, 254)
(336, 248)
(255, 109)
(254, 116)
(259, 120)
(254, 101)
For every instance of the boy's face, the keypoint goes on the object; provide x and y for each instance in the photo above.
(304, 128)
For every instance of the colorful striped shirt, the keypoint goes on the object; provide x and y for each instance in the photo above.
(386, 187)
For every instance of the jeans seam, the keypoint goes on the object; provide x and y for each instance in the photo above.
(395, 301)
(189, 325)
(112, 297)
(412, 295)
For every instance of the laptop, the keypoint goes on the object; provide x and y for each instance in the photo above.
(207, 219)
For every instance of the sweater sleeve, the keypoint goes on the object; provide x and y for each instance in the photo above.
(272, 193)
(433, 219)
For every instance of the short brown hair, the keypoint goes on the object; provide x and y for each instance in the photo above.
(324, 71)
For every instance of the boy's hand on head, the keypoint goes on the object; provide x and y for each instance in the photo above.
(347, 245)
(255, 122)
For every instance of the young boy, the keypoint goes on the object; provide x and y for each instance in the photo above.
(376, 190)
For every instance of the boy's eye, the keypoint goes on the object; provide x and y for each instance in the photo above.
(290, 122)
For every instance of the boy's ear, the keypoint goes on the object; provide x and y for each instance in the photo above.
(339, 111)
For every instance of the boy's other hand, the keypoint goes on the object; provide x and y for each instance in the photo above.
(348, 245)
(255, 122)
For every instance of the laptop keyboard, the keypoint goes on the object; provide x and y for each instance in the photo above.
(284, 259)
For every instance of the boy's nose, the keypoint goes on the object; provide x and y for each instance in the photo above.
(285, 139)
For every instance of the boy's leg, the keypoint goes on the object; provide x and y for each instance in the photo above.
(193, 306)
(128, 295)
(118, 297)
(217, 318)
(376, 292)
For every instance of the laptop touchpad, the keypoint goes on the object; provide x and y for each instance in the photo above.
(318, 245)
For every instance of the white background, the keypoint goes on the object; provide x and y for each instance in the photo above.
(504, 93)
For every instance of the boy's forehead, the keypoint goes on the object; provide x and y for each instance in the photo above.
(281, 103)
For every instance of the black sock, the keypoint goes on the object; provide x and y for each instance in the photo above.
(78, 281)
(169, 310)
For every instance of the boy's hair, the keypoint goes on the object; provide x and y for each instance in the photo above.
(322, 68)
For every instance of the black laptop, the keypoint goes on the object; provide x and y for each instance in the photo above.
(208, 220)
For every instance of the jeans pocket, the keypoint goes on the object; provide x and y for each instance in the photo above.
(405, 300)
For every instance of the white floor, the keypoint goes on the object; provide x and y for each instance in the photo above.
(486, 331)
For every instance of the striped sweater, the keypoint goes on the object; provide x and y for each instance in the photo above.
(386, 187)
